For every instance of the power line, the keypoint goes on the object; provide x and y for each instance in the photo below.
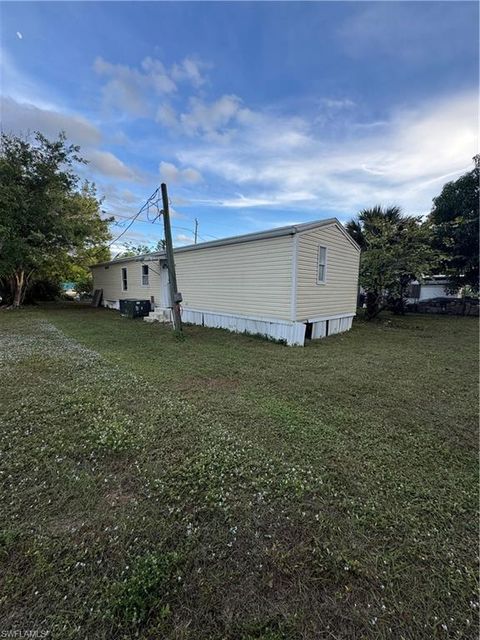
(147, 203)
(147, 206)
(174, 226)
(154, 203)
(124, 219)
(208, 236)
(193, 232)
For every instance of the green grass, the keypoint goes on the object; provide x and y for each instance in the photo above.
(229, 488)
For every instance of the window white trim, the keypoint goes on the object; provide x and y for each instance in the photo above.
(324, 264)
(145, 277)
(124, 278)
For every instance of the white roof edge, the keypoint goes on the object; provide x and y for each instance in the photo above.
(247, 237)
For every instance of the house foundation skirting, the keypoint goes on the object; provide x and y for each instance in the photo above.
(292, 333)
(331, 326)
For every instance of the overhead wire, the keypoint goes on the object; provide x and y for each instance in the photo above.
(208, 236)
(151, 202)
(134, 218)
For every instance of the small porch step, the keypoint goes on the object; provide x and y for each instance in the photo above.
(159, 315)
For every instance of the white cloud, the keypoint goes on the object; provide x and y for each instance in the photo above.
(190, 69)
(166, 116)
(128, 88)
(22, 88)
(182, 238)
(343, 103)
(174, 213)
(273, 159)
(19, 35)
(134, 89)
(170, 173)
(109, 165)
(223, 120)
(20, 117)
(210, 118)
(117, 200)
(157, 76)
(261, 200)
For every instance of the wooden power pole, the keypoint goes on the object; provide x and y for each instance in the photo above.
(175, 296)
(196, 230)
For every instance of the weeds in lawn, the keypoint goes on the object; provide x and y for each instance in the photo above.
(145, 588)
(323, 492)
(111, 431)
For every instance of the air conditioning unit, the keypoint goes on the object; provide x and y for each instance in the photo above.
(133, 308)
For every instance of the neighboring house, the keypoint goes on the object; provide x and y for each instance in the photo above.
(288, 283)
(429, 288)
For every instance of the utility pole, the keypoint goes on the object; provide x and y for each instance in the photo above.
(196, 230)
(175, 296)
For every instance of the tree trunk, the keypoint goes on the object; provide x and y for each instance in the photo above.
(18, 284)
(398, 306)
(373, 306)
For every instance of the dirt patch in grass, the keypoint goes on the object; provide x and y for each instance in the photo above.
(118, 498)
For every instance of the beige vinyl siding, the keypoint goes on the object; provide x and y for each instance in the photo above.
(338, 295)
(110, 280)
(249, 279)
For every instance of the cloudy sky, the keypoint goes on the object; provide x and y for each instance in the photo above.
(255, 114)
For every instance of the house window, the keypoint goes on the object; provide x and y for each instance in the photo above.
(145, 275)
(322, 265)
(124, 279)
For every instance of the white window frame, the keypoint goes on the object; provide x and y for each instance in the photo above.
(143, 275)
(124, 280)
(324, 281)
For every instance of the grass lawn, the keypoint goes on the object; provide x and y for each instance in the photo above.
(225, 487)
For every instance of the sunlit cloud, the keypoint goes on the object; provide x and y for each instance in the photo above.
(169, 172)
(402, 164)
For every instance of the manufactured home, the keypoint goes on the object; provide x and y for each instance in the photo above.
(431, 287)
(291, 283)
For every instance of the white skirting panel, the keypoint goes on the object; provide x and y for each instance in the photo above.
(293, 333)
(192, 317)
(331, 326)
(111, 304)
(339, 325)
(319, 329)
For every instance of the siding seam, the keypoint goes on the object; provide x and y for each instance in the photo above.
(293, 296)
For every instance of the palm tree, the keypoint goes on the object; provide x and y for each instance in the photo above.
(371, 223)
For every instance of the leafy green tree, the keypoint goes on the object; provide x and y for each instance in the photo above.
(395, 250)
(455, 221)
(47, 221)
(132, 249)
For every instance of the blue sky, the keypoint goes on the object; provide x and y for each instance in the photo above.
(255, 114)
